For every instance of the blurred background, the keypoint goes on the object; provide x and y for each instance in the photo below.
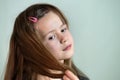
(94, 24)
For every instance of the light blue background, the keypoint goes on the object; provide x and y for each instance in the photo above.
(95, 25)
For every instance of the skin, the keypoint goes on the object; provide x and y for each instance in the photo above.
(56, 37)
(69, 76)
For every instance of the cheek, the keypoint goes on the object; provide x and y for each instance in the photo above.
(54, 49)
(70, 36)
(52, 46)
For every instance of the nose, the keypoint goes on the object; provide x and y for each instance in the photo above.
(63, 39)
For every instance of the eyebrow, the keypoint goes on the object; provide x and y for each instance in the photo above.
(52, 30)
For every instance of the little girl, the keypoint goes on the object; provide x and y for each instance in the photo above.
(41, 46)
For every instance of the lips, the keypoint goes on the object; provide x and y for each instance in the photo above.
(67, 47)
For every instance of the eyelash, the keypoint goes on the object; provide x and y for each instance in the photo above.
(64, 29)
(53, 36)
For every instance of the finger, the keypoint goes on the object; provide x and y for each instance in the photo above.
(65, 77)
(70, 75)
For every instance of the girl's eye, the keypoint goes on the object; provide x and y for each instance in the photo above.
(51, 37)
(64, 29)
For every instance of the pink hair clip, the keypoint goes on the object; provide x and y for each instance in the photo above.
(33, 19)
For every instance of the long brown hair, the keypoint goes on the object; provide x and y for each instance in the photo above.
(27, 55)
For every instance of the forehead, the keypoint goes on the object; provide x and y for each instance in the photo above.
(49, 22)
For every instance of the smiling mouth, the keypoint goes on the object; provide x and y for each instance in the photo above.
(67, 48)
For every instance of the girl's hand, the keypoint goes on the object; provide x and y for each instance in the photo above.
(69, 76)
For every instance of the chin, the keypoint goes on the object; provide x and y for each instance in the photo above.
(68, 55)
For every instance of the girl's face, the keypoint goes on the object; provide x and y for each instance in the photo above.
(55, 36)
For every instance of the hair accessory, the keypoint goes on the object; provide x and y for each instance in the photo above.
(33, 19)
